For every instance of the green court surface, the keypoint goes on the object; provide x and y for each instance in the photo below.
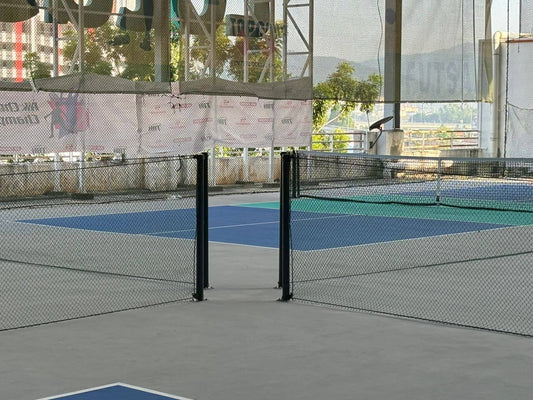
(437, 212)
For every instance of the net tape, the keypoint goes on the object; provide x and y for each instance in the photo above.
(494, 184)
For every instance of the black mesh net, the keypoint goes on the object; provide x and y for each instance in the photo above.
(89, 239)
(269, 49)
(434, 239)
(141, 46)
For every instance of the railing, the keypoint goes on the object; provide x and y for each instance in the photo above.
(345, 142)
(429, 142)
(241, 166)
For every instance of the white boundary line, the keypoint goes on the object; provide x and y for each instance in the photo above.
(245, 245)
(170, 396)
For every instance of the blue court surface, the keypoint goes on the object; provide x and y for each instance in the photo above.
(259, 226)
(116, 391)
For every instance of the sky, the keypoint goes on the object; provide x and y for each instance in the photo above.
(499, 14)
(332, 17)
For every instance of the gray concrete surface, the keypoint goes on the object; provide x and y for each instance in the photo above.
(243, 344)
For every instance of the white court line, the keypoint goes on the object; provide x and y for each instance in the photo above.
(170, 396)
(242, 244)
(218, 227)
(254, 224)
(406, 240)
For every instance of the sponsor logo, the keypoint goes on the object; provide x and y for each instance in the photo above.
(202, 121)
(243, 121)
(178, 125)
(68, 115)
(227, 104)
(288, 105)
(248, 103)
(31, 119)
(16, 107)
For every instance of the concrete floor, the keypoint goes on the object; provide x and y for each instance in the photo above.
(243, 344)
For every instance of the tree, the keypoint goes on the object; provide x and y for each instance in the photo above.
(99, 56)
(341, 93)
(456, 113)
(35, 68)
(258, 56)
(338, 141)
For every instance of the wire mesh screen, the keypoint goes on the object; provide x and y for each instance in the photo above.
(269, 49)
(444, 240)
(127, 46)
(526, 17)
(441, 67)
(516, 137)
(98, 238)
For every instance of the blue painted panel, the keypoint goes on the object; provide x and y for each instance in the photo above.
(260, 226)
(115, 392)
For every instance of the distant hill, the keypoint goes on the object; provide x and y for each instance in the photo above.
(324, 66)
(428, 77)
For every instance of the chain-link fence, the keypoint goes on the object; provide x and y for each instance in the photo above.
(99, 237)
(244, 170)
(446, 240)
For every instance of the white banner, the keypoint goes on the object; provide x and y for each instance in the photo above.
(519, 75)
(44, 122)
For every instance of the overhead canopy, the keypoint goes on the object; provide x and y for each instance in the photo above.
(89, 82)
(126, 46)
(274, 48)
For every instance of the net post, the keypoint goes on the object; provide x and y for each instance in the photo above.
(205, 205)
(201, 226)
(439, 176)
(295, 175)
(284, 231)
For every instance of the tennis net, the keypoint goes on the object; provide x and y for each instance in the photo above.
(113, 235)
(478, 183)
(438, 239)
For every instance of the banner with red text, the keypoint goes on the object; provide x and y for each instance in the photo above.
(43, 122)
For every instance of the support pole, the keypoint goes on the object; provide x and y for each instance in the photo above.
(393, 60)
(81, 37)
(161, 26)
(284, 231)
(55, 51)
(201, 227)
(205, 230)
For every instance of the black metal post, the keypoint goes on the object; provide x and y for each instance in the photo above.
(295, 177)
(205, 204)
(284, 231)
(201, 225)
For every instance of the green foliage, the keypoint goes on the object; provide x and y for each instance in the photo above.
(35, 68)
(99, 56)
(139, 63)
(112, 51)
(337, 142)
(457, 113)
(342, 93)
(258, 58)
(223, 50)
(454, 113)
